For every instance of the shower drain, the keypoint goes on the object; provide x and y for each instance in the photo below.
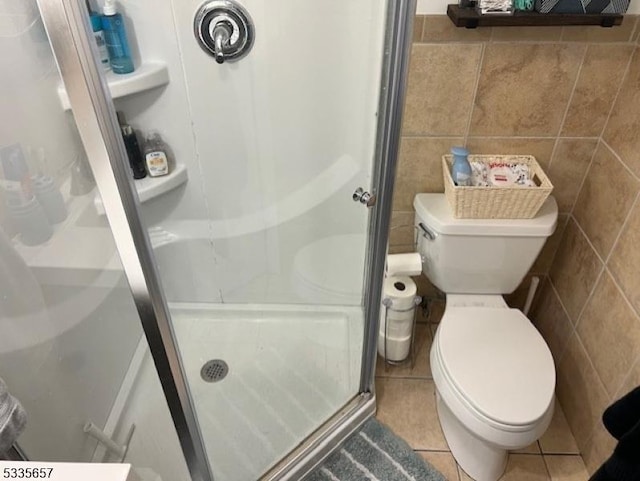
(214, 370)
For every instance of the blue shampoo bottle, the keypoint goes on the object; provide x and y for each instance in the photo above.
(461, 169)
(115, 37)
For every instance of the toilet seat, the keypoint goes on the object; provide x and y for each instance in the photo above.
(497, 365)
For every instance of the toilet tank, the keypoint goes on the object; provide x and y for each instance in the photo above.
(478, 256)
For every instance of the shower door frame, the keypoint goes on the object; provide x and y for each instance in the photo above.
(70, 37)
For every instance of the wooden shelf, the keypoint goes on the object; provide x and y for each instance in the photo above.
(469, 18)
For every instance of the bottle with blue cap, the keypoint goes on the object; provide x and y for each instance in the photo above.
(115, 37)
(460, 169)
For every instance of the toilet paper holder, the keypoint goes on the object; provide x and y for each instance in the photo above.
(387, 302)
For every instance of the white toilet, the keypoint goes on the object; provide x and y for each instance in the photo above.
(493, 371)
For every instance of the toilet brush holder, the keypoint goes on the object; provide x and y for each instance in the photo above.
(397, 344)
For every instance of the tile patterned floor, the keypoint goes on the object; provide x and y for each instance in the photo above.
(406, 403)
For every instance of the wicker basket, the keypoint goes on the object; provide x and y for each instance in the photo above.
(497, 202)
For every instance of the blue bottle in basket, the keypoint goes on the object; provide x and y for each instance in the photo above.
(460, 169)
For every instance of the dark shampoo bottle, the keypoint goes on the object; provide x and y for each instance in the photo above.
(136, 161)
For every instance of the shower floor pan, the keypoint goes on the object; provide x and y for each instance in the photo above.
(289, 369)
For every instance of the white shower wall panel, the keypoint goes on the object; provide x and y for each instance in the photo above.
(264, 265)
(285, 132)
(153, 38)
(281, 136)
(271, 122)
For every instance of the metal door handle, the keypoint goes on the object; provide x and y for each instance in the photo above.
(360, 195)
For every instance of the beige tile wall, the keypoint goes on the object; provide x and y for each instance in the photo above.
(590, 310)
(571, 97)
(541, 91)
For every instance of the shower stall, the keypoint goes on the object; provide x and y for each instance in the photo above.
(219, 322)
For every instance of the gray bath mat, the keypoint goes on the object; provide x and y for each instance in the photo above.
(375, 453)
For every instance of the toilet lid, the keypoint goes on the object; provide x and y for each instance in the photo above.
(498, 362)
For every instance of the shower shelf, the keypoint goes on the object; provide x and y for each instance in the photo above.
(152, 187)
(146, 77)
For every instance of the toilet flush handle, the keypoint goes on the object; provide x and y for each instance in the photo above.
(426, 232)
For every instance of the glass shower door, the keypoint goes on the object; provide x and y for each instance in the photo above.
(250, 263)
(72, 349)
(265, 270)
